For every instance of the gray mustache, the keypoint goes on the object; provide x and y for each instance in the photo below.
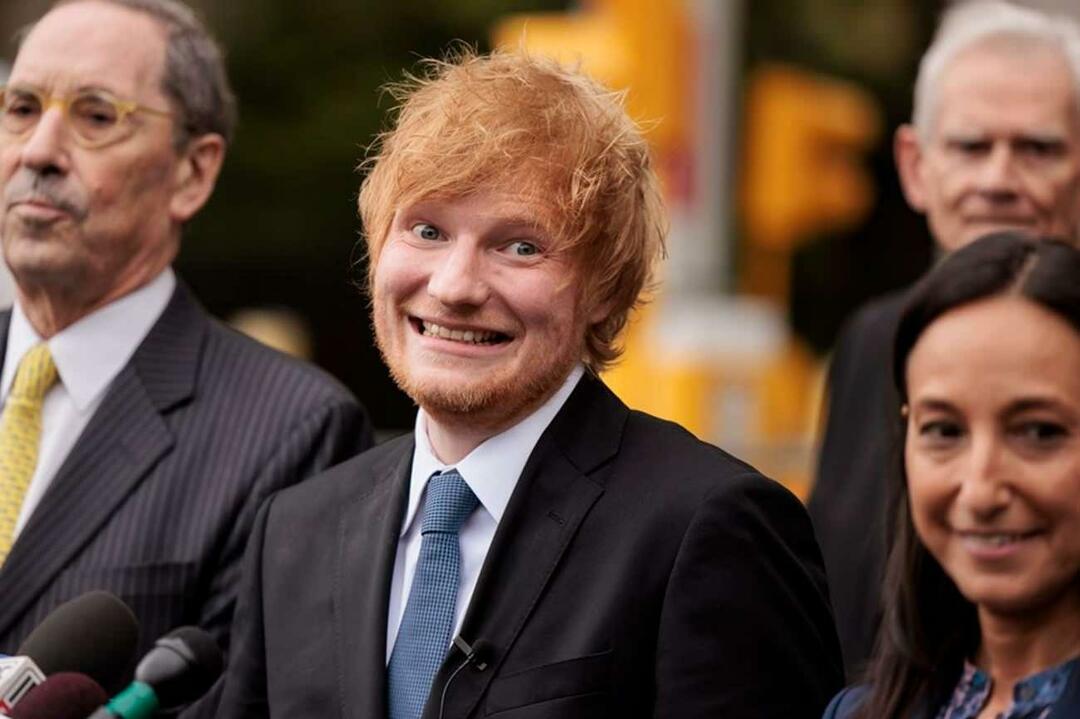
(29, 186)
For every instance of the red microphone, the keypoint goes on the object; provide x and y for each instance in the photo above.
(66, 695)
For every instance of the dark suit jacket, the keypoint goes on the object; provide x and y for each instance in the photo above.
(157, 498)
(637, 572)
(858, 453)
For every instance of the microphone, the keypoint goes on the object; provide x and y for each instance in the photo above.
(476, 654)
(67, 695)
(179, 669)
(18, 675)
(94, 634)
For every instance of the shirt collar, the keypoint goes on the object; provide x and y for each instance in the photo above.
(91, 352)
(1031, 695)
(493, 468)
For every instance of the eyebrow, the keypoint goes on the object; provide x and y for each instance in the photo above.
(23, 86)
(511, 222)
(933, 404)
(1044, 136)
(1029, 404)
(1015, 407)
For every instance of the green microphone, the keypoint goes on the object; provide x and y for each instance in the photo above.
(177, 671)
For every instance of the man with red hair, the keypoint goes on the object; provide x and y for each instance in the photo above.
(535, 548)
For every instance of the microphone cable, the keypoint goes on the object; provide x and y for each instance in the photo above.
(472, 654)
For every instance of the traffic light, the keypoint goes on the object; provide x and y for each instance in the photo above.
(805, 140)
(640, 46)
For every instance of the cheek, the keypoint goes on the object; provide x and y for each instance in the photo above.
(1060, 499)
(9, 155)
(546, 304)
(398, 272)
(953, 184)
(125, 182)
(928, 492)
(1061, 192)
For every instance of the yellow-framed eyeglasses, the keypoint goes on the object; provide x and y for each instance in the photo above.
(95, 117)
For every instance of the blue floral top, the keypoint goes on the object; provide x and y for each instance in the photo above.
(1033, 698)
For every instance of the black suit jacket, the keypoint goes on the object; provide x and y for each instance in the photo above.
(156, 499)
(637, 572)
(858, 453)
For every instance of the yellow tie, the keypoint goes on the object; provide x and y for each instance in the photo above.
(20, 432)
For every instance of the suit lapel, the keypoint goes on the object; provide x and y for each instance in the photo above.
(5, 323)
(121, 444)
(369, 529)
(554, 494)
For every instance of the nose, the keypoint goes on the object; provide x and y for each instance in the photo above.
(459, 278)
(997, 177)
(45, 150)
(985, 489)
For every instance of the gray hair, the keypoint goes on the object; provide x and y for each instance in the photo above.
(983, 21)
(194, 79)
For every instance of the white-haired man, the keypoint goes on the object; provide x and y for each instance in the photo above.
(994, 144)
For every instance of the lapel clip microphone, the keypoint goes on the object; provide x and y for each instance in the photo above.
(475, 654)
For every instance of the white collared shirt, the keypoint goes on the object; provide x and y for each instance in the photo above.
(88, 356)
(491, 471)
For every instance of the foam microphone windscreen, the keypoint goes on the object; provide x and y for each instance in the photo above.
(94, 634)
(67, 695)
(182, 666)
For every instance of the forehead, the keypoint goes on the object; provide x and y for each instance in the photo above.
(994, 350)
(1007, 89)
(93, 44)
(490, 208)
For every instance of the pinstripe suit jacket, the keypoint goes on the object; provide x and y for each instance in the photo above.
(156, 499)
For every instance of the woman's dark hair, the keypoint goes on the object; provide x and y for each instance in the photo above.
(928, 627)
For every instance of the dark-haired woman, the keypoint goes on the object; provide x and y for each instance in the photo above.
(982, 615)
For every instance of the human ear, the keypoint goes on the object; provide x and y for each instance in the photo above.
(196, 173)
(908, 153)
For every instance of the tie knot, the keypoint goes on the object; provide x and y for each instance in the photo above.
(35, 375)
(449, 503)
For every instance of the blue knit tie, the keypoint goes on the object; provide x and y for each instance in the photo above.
(423, 638)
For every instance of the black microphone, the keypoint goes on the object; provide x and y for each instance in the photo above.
(478, 654)
(94, 634)
(178, 670)
(66, 695)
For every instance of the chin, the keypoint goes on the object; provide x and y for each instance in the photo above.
(1013, 600)
(495, 399)
(458, 398)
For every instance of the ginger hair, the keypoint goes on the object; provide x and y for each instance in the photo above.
(511, 121)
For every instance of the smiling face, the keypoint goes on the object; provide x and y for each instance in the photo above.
(476, 313)
(92, 222)
(1003, 149)
(993, 452)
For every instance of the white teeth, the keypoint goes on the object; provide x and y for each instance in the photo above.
(430, 329)
(998, 540)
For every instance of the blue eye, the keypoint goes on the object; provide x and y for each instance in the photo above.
(523, 248)
(425, 231)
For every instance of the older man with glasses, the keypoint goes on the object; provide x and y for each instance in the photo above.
(137, 435)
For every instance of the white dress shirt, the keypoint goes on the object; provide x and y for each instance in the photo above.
(491, 471)
(88, 356)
